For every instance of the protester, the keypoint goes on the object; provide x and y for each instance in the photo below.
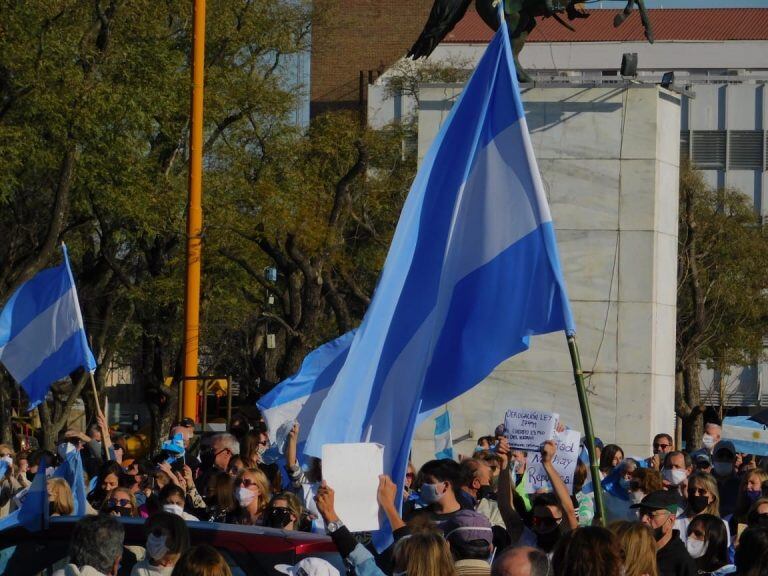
(712, 434)
(643, 482)
(703, 498)
(167, 539)
(658, 510)
(638, 548)
(304, 483)
(120, 502)
(707, 544)
(610, 457)
(215, 458)
(585, 501)
(410, 477)
(477, 492)
(470, 537)
(521, 561)
(96, 547)
(589, 551)
(60, 501)
(9, 483)
(235, 466)
(675, 471)
(201, 560)
(752, 554)
(750, 491)
(173, 500)
(439, 490)
(252, 494)
(108, 480)
(757, 516)
(285, 511)
(220, 497)
(662, 445)
(252, 447)
(725, 469)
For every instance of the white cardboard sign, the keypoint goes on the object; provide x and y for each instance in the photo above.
(565, 460)
(352, 471)
(528, 429)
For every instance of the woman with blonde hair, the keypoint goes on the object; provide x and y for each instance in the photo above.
(60, 501)
(638, 548)
(252, 494)
(120, 502)
(703, 498)
(749, 492)
(201, 560)
(424, 553)
(284, 511)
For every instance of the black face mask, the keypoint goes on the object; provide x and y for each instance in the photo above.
(278, 518)
(51, 508)
(658, 533)
(30, 475)
(547, 540)
(697, 503)
(207, 458)
(484, 492)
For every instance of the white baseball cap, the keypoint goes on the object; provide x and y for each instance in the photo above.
(309, 567)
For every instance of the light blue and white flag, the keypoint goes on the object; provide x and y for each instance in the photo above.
(42, 337)
(71, 470)
(443, 437)
(472, 272)
(748, 436)
(298, 398)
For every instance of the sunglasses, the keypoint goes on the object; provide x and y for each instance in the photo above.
(115, 502)
(662, 446)
(546, 521)
(246, 483)
(410, 475)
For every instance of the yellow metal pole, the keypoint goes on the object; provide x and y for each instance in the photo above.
(194, 216)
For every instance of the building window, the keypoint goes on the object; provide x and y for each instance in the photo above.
(685, 145)
(708, 149)
(745, 150)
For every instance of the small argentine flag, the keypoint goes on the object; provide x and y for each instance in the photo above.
(443, 438)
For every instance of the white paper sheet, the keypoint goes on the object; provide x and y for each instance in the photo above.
(353, 471)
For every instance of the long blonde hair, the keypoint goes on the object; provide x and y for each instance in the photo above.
(707, 481)
(638, 546)
(61, 497)
(424, 553)
(261, 482)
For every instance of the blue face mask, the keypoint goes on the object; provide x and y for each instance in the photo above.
(429, 493)
(624, 483)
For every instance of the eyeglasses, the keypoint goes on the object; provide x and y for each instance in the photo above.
(643, 512)
(115, 502)
(246, 483)
(661, 446)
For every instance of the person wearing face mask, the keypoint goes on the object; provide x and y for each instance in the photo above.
(470, 537)
(167, 539)
(440, 481)
(476, 490)
(707, 544)
(9, 485)
(710, 438)
(643, 482)
(284, 512)
(675, 471)
(703, 498)
(724, 469)
(658, 511)
(172, 499)
(215, 457)
(616, 491)
(108, 480)
(252, 494)
(120, 502)
(749, 492)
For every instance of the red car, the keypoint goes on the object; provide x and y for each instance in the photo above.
(249, 550)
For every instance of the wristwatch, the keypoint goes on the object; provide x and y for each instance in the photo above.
(331, 527)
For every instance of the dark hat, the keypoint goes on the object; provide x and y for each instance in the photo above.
(724, 446)
(467, 526)
(598, 443)
(660, 500)
(499, 430)
(702, 458)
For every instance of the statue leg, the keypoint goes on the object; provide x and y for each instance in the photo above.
(517, 47)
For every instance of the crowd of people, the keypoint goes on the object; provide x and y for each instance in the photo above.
(671, 513)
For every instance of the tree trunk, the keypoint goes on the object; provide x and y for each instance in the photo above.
(6, 411)
(693, 423)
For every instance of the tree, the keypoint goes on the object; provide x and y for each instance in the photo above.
(722, 305)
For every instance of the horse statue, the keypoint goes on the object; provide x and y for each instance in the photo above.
(520, 16)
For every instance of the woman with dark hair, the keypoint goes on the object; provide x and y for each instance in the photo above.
(752, 553)
(167, 539)
(173, 499)
(108, 480)
(708, 544)
(610, 457)
(588, 551)
(220, 498)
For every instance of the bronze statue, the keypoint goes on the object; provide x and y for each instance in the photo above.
(520, 16)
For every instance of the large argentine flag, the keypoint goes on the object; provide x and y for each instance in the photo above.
(472, 273)
(42, 338)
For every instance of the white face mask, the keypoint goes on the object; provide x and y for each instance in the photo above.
(156, 547)
(708, 441)
(696, 548)
(174, 509)
(245, 496)
(637, 496)
(674, 476)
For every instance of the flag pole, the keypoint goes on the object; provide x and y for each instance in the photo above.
(194, 218)
(589, 434)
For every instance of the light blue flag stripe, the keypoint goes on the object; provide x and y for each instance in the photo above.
(42, 337)
(71, 470)
(33, 514)
(472, 273)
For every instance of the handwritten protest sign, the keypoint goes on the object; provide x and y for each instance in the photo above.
(527, 429)
(353, 471)
(564, 461)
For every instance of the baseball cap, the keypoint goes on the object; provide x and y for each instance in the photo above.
(702, 460)
(659, 500)
(467, 526)
(309, 567)
(724, 446)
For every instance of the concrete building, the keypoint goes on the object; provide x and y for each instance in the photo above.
(621, 274)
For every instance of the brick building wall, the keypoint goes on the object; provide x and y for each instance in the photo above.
(354, 36)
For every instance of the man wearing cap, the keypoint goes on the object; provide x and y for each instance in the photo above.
(724, 469)
(470, 536)
(658, 511)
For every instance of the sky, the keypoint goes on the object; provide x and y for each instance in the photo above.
(692, 4)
